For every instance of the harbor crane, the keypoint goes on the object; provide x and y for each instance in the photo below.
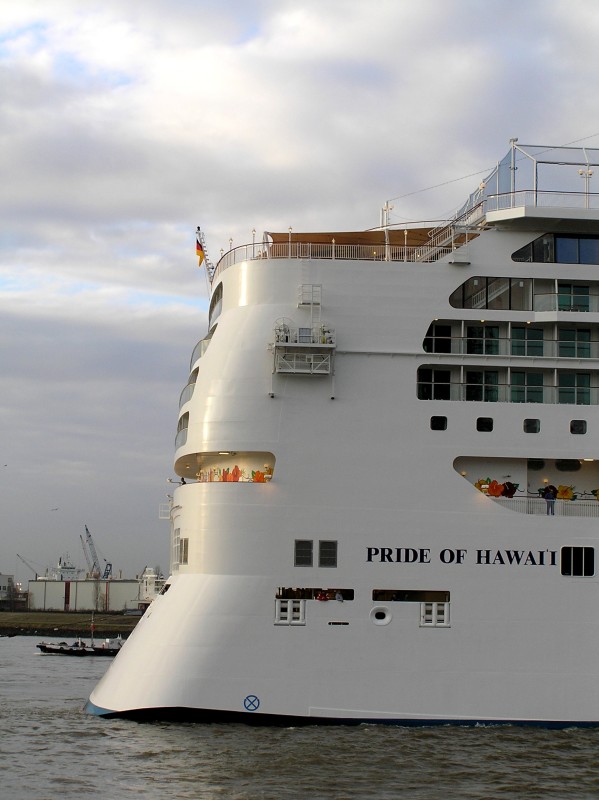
(91, 556)
(27, 564)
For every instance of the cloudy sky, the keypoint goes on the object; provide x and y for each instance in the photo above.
(124, 125)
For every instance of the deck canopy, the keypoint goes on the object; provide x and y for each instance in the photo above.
(416, 237)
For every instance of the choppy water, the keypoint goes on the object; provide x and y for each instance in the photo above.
(50, 749)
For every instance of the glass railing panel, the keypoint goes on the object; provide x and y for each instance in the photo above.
(186, 394)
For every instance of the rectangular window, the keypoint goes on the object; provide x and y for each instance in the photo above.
(303, 552)
(588, 251)
(482, 385)
(575, 388)
(574, 343)
(438, 339)
(434, 384)
(482, 339)
(327, 554)
(566, 249)
(183, 551)
(531, 425)
(434, 615)
(527, 387)
(573, 297)
(484, 424)
(527, 341)
(578, 562)
(438, 423)
(176, 548)
(290, 612)
(578, 426)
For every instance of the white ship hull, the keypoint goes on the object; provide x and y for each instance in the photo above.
(454, 605)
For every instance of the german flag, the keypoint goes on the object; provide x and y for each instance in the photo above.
(199, 251)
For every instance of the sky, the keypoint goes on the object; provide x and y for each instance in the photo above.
(125, 125)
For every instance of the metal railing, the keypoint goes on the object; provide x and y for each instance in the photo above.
(510, 346)
(318, 335)
(318, 250)
(199, 350)
(538, 506)
(186, 394)
(310, 364)
(443, 240)
(508, 393)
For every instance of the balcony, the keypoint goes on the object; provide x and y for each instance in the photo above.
(186, 394)
(538, 506)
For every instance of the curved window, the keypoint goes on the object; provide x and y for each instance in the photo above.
(216, 305)
(182, 427)
(226, 466)
(555, 248)
(201, 347)
(188, 391)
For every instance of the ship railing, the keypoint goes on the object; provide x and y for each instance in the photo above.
(541, 199)
(199, 350)
(332, 251)
(181, 438)
(511, 346)
(186, 394)
(318, 335)
(308, 363)
(494, 392)
(538, 506)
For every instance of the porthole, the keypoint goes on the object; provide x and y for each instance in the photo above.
(380, 615)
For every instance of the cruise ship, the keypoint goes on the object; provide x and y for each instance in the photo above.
(388, 474)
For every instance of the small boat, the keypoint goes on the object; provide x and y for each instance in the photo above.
(109, 647)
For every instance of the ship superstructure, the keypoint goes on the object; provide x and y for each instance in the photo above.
(367, 446)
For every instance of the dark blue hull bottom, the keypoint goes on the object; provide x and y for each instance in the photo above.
(214, 716)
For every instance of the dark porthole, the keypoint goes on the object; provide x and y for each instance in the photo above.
(531, 425)
(536, 464)
(484, 424)
(567, 465)
(578, 426)
(438, 423)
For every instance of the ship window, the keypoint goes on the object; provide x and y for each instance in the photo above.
(303, 593)
(550, 248)
(303, 552)
(438, 423)
(409, 596)
(327, 554)
(575, 388)
(380, 615)
(567, 465)
(573, 297)
(482, 385)
(527, 387)
(574, 343)
(482, 339)
(216, 305)
(290, 612)
(484, 424)
(578, 426)
(527, 341)
(438, 339)
(165, 588)
(434, 384)
(535, 464)
(434, 615)
(578, 562)
(531, 426)
(183, 551)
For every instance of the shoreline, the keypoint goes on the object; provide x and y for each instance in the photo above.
(58, 623)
